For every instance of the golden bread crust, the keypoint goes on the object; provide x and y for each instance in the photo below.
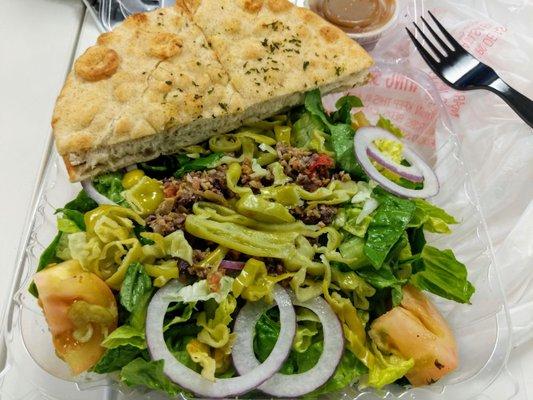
(282, 49)
(98, 62)
(174, 76)
(167, 75)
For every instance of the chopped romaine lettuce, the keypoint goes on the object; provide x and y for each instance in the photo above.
(136, 283)
(443, 275)
(347, 372)
(81, 203)
(303, 129)
(341, 139)
(388, 368)
(123, 336)
(344, 107)
(431, 218)
(110, 185)
(140, 372)
(388, 224)
(116, 358)
(389, 126)
(198, 164)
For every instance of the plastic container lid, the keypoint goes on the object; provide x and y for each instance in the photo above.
(29, 368)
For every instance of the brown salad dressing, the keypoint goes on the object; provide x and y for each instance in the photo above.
(355, 16)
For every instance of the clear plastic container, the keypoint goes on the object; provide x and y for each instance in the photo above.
(29, 368)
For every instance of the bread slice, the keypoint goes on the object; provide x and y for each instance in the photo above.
(173, 77)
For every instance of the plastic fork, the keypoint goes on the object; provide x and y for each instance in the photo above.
(462, 71)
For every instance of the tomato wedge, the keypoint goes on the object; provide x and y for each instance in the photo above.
(415, 329)
(62, 285)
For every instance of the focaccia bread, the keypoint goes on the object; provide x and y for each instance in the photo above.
(273, 49)
(173, 77)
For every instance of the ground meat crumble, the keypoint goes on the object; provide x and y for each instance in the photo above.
(250, 179)
(306, 168)
(182, 193)
(322, 214)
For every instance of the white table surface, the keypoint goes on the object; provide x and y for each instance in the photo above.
(37, 38)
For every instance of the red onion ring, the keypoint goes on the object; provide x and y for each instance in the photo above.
(411, 173)
(196, 383)
(290, 386)
(235, 265)
(95, 194)
(364, 146)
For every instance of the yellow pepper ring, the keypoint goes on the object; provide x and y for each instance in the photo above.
(131, 178)
(224, 143)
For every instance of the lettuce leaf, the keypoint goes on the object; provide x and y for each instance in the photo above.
(73, 211)
(266, 334)
(81, 203)
(136, 283)
(70, 221)
(443, 275)
(348, 370)
(347, 219)
(48, 256)
(431, 218)
(110, 185)
(389, 222)
(177, 246)
(140, 372)
(183, 316)
(303, 129)
(305, 331)
(352, 282)
(344, 107)
(389, 126)
(163, 166)
(116, 358)
(198, 164)
(342, 134)
(66, 225)
(125, 335)
(177, 337)
(387, 368)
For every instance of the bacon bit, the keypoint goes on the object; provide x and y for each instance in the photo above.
(321, 162)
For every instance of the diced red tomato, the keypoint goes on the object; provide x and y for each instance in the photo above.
(321, 161)
(213, 280)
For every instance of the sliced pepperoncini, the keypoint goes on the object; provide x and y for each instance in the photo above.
(145, 196)
(263, 210)
(283, 134)
(225, 143)
(131, 178)
(115, 212)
